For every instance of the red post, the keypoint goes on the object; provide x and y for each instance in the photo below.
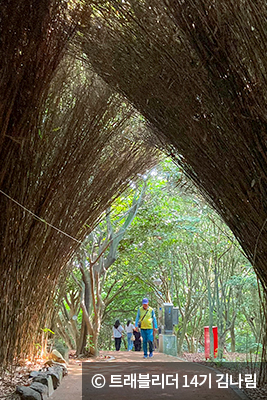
(215, 340)
(207, 341)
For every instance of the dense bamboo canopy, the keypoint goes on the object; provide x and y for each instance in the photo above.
(197, 69)
(67, 149)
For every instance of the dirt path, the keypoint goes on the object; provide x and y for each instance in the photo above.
(71, 386)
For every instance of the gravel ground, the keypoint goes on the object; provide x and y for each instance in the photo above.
(16, 376)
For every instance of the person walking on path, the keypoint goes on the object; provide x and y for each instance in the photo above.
(148, 324)
(129, 330)
(117, 334)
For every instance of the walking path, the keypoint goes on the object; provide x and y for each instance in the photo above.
(71, 386)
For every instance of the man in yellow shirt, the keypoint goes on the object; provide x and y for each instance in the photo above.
(146, 316)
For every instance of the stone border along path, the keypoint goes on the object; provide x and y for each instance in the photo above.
(42, 383)
(71, 387)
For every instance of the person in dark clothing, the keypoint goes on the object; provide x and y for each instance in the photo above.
(117, 334)
(137, 340)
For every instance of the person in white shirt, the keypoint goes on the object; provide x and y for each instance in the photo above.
(129, 328)
(117, 334)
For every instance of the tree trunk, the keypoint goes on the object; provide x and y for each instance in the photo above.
(80, 349)
(94, 348)
(221, 344)
(182, 337)
(232, 333)
(192, 345)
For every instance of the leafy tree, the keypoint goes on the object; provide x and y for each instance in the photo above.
(90, 271)
(178, 239)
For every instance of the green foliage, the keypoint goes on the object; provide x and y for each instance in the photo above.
(177, 237)
(178, 240)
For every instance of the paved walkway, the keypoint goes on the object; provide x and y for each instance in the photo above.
(71, 386)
